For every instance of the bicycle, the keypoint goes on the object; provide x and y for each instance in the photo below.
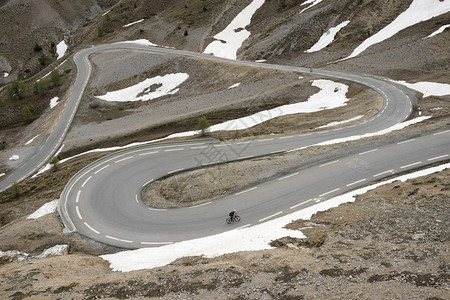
(236, 219)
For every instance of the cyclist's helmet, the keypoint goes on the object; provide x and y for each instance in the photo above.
(234, 210)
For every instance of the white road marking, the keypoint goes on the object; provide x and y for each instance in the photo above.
(242, 227)
(120, 160)
(437, 133)
(156, 243)
(286, 137)
(297, 205)
(157, 209)
(328, 163)
(356, 182)
(253, 188)
(86, 181)
(148, 182)
(199, 147)
(265, 140)
(304, 134)
(410, 165)
(117, 239)
(271, 216)
(385, 172)
(148, 153)
(437, 157)
(373, 150)
(174, 171)
(78, 196)
(78, 213)
(286, 177)
(99, 170)
(172, 150)
(404, 142)
(200, 205)
(332, 191)
(90, 227)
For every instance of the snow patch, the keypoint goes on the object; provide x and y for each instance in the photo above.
(418, 11)
(57, 250)
(327, 38)
(130, 24)
(61, 49)
(14, 255)
(142, 42)
(427, 88)
(143, 91)
(312, 2)
(47, 208)
(440, 30)
(53, 102)
(331, 95)
(231, 38)
(14, 157)
(5, 74)
(234, 85)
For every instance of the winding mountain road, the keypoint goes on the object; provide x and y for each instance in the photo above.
(103, 201)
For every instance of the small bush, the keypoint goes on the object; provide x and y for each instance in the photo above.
(37, 47)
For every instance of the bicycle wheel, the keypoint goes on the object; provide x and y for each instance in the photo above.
(228, 220)
(237, 218)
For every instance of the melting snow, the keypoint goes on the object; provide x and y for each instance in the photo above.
(14, 157)
(47, 208)
(61, 49)
(21, 256)
(428, 88)
(418, 11)
(143, 42)
(14, 254)
(231, 38)
(331, 95)
(234, 85)
(440, 30)
(143, 91)
(327, 38)
(53, 102)
(54, 251)
(312, 2)
(133, 23)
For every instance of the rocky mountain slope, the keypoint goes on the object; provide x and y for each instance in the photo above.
(391, 243)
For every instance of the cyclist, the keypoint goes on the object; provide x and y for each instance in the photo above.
(232, 215)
